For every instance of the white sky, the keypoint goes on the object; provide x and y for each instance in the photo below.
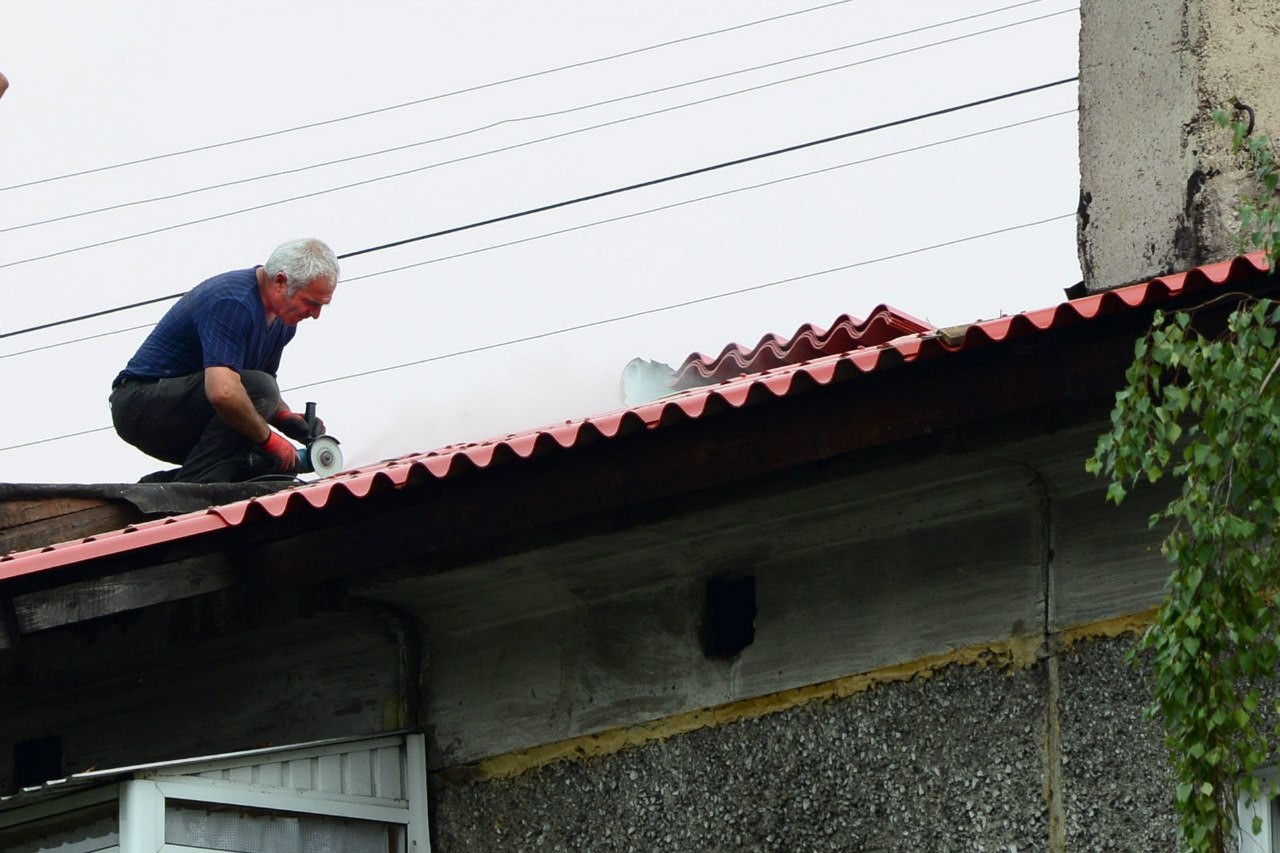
(98, 83)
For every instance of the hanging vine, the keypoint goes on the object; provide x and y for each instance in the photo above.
(1204, 409)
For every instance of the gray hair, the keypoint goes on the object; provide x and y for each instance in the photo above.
(302, 262)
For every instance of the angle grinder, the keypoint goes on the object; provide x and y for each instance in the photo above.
(322, 455)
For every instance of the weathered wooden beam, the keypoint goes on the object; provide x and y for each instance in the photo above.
(123, 592)
(34, 523)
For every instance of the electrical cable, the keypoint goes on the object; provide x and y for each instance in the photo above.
(602, 194)
(698, 301)
(514, 146)
(560, 231)
(55, 438)
(492, 125)
(430, 98)
(546, 234)
(709, 197)
(81, 317)
(610, 320)
(59, 344)
(705, 169)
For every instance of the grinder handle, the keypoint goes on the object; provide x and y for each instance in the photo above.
(310, 418)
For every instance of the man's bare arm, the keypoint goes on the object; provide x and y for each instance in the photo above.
(226, 394)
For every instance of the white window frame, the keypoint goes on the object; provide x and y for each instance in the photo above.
(143, 798)
(1263, 808)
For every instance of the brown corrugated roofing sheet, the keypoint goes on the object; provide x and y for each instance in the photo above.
(919, 342)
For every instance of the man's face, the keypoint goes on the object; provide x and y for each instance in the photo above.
(306, 302)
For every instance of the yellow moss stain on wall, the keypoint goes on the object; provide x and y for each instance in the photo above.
(1108, 629)
(1014, 655)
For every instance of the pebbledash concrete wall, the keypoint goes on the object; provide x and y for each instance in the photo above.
(1117, 788)
(998, 755)
(938, 665)
(1159, 187)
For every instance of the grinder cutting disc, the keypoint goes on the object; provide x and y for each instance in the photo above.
(325, 456)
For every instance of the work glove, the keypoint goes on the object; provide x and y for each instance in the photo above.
(282, 453)
(294, 425)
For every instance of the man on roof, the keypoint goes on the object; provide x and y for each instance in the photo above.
(201, 391)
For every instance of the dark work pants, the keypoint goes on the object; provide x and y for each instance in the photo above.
(172, 419)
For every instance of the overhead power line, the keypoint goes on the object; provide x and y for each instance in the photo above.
(429, 98)
(515, 120)
(53, 324)
(54, 438)
(609, 320)
(599, 195)
(82, 339)
(721, 194)
(724, 165)
(557, 232)
(516, 146)
(673, 306)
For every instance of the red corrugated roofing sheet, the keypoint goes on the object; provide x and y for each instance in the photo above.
(809, 342)
(768, 383)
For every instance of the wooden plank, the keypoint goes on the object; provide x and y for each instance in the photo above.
(153, 585)
(27, 510)
(64, 527)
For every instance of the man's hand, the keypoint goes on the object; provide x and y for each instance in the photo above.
(282, 453)
(294, 425)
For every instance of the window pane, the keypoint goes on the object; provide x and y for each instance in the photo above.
(239, 830)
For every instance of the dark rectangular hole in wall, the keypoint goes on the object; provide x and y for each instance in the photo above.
(728, 616)
(37, 761)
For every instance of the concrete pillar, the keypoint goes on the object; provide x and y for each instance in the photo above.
(1159, 187)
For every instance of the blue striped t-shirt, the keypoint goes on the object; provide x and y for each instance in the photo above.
(219, 323)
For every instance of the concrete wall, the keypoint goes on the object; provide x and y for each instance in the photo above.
(856, 567)
(973, 758)
(1116, 782)
(904, 691)
(1159, 188)
(853, 571)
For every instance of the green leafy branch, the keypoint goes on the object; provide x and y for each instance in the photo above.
(1203, 408)
(1259, 211)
